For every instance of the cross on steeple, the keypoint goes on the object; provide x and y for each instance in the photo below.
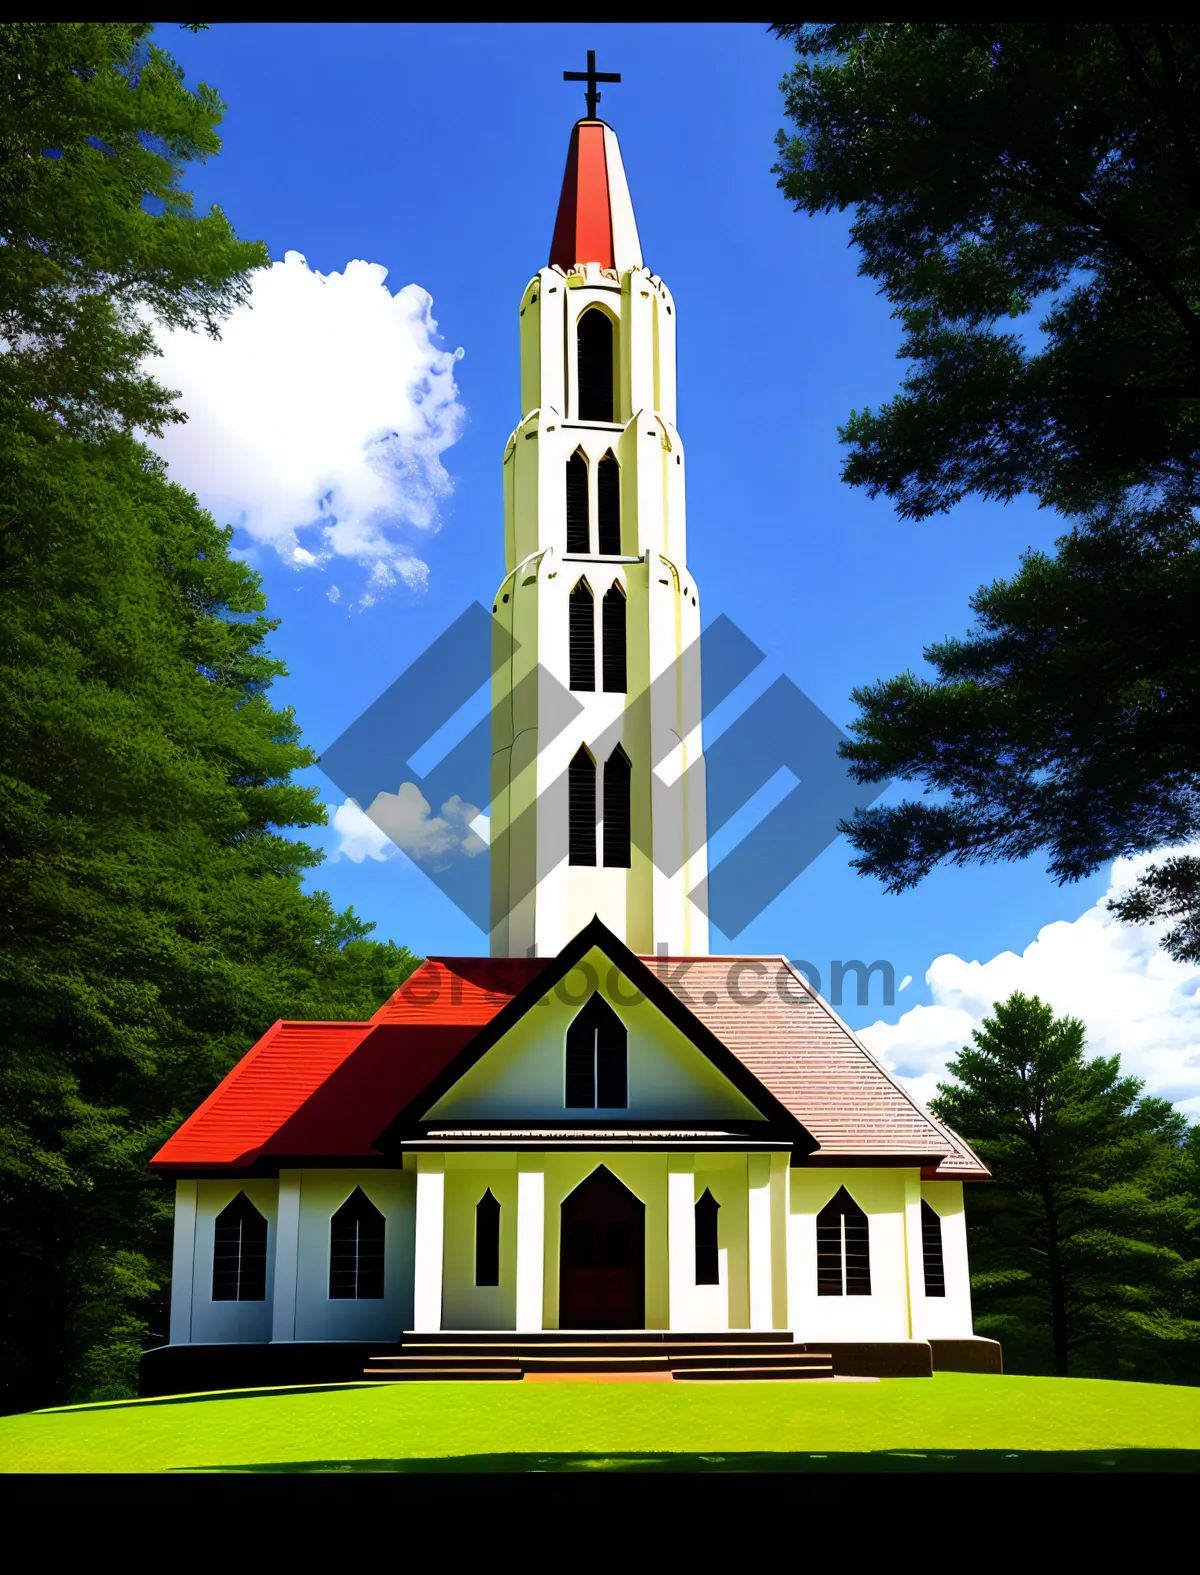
(591, 76)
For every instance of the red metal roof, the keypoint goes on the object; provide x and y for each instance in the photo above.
(583, 230)
(326, 1090)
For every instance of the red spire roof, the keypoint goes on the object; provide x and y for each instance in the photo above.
(595, 221)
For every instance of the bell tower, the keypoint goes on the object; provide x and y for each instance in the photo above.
(598, 802)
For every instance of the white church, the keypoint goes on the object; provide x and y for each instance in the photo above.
(600, 1149)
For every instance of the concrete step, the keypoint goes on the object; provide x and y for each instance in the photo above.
(426, 1359)
(517, 1349)
(437, 1337)
(781, 1371)
(594, 1364)
(733, 1363)
(394, 1375)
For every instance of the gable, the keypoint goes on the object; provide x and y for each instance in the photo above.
(521, 1075)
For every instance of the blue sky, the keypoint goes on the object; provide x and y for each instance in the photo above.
(437, 152)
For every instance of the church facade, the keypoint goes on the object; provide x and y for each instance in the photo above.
(601, 1128)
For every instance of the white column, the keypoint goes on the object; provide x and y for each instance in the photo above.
(427, 1267)
(183, 1263)
(531, 1245)
(914, 1256)
(287, 1256)
(681, 1246)
(758, 1176)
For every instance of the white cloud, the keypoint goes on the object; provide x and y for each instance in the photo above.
(318, 420)
(358, 837)
(405, 818)
(1134, 1000)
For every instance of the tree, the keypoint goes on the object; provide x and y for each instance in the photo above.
(153, 918)
(1085, 1244)
(1027, 195)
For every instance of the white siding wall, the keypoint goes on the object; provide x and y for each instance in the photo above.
(883, 1315)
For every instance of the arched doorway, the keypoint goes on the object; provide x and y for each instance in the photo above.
(602, 1259)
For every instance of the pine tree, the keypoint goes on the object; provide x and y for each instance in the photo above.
(1084, 1246)
(153, 917)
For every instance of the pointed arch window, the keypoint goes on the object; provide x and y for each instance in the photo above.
(239, 1253)
(595, 338)
(614, 669)
(356, 1243)
(487, 1240)
(931, 1250)
(579, 528)
(581, 808)
(581, 637)
(708, 1261)
(597, 1059)
(608, 503)
(616, 810)
(843, 1248)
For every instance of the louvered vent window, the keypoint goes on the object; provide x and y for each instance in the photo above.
(356, 1242)
(581, 637)
(608, 504)
(931, 1250)
(843, 1248)
(581, 808)
(487, 1240)
(579, 535)
(616, 810)
(615, 671)
(239, 1253)
(595, 335)
(708, 1263)
(596, 1065)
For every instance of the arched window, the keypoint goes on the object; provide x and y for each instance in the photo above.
(595, 335)
(356, 1238)
(708, 1263)
(596, 1070)
(614, 668)
(581, 808)
(616, 810)
(239, 1253)
(843, 1248)
(579, 534)
(931, 1250)
(581, 637)
(487, 1240)
(608, 503)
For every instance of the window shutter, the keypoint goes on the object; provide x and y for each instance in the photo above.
(581, 809)
(487, 1240)
(580, 1092)
(615, 672)
(595, 337)
(708, 1261)
(356, 1248)
(931, 1250)
(616, 810)
(843, 1248)
(579, 535)
(581, 636)
(608, 504)
(239, 1253)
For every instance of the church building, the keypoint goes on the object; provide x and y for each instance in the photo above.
(600, 1148)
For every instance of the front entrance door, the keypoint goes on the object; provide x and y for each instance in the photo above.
(602, 1274)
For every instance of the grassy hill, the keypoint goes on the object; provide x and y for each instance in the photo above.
(952, 1422)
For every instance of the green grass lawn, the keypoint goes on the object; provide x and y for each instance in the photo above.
(954, 1421)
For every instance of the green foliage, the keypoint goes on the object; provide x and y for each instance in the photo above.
(1001, 169)
(1068, 720)
(95, 129)
(153, 921)
(1027, 195)
(1086, 1245)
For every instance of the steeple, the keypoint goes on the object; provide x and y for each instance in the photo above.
(595, 221)
(598, 796)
